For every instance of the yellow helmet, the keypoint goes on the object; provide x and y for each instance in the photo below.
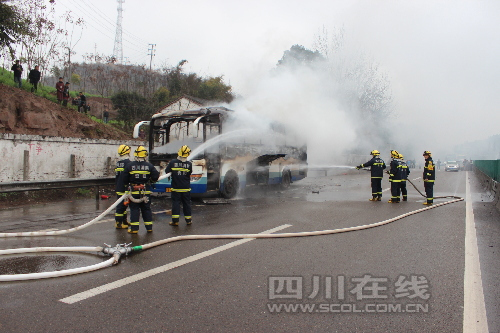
(141, 152)
(375, 152)
(401, 156)
(394, 154)
(123, 150)
(427, 153)
(184, 151)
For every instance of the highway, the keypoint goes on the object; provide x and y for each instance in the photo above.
(406, 276)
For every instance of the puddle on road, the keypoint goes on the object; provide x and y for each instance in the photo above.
(36, 263)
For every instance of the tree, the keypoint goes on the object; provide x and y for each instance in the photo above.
(131, 107)
(13, 26)
(214, 89)
(298, 55)
(174, 79)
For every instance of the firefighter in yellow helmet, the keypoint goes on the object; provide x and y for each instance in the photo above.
(377, 166)
(181, 169)
(405, 171)
(395, 177)
(121, 210)
(429, 176)
(137, 177)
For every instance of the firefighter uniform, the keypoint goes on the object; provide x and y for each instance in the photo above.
(395, 176)
(181, 169)
(429, 177)
(405, 171)
(377, 166)
(138, 176)
(121, 221)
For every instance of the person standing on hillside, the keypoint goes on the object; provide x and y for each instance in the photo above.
(82, 106)
(105, 116)
(18, 72)
(66, 94)
(34, 77)
(60, 90)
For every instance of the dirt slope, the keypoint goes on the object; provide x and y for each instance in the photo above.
(24, 113)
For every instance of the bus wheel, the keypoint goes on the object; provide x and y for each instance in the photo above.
(231, 185)
(286, 179)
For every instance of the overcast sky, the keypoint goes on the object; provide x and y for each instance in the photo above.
(442, 57)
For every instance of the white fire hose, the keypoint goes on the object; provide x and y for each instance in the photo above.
(67, 231)
(120, 249)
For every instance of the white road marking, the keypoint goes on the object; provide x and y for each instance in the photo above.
(131, 279)
(475, 320)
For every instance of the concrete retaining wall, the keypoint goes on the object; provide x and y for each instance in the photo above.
(491, 187)
(32, 157)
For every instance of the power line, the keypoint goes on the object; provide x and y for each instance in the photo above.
(89, 18)
(103, 15)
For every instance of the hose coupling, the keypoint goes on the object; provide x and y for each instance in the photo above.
(117, 249)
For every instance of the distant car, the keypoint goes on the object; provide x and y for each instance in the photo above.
(451, 166)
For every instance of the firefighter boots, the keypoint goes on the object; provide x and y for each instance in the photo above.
(121, 225)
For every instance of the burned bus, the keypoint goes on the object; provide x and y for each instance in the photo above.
(226, 156)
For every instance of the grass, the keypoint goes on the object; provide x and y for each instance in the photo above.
(47, 92)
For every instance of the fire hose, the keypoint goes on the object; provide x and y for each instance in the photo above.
(124, 249)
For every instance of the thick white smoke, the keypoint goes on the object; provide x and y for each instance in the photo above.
(311, 101)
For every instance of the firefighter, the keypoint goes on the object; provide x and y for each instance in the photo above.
(181, 169)
(429, 177)
(121, 221)
(138, 176)
(377, 166)
(405, 171)
(395, 177)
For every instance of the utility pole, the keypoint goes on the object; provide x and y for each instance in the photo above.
(152, 50)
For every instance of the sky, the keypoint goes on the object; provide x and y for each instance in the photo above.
(441, 56)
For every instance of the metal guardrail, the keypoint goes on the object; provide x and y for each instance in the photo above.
(489, 167)
(23, 186)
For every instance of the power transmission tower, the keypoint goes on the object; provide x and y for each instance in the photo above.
(152, 50)
(118, 49)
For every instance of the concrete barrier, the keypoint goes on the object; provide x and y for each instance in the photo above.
(33, 157)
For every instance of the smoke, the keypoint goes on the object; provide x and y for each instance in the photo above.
(319, 105)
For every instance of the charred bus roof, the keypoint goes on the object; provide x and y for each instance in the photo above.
(195, 113)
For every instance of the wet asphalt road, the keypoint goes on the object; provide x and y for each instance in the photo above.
(240, 288)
